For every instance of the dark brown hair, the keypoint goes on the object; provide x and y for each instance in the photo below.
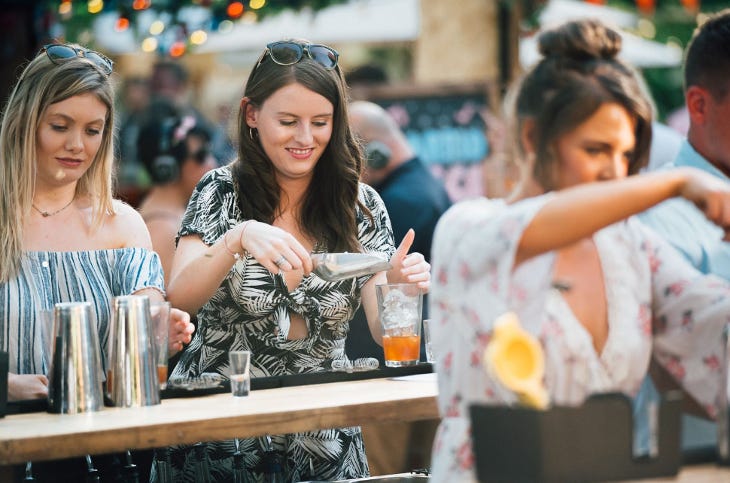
(707, 63)
(329, 208)
(578, 74)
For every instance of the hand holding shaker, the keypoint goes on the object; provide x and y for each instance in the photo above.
(132, 369)
(75, 376)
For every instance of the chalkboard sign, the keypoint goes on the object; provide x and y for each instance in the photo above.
(446, 128)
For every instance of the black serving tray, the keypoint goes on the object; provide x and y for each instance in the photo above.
(592, 442)
(273, 382)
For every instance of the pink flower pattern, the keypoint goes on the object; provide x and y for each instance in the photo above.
(656, 302)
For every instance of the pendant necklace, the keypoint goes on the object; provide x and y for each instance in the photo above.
(46, 214)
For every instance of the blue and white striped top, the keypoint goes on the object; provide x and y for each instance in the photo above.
(46, 278)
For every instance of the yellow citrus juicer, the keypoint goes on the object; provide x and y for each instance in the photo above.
(516, 359)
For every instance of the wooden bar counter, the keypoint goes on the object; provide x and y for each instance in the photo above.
(44, 436)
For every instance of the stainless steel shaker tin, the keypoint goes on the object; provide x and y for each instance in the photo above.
(75, 377)
(131, 369)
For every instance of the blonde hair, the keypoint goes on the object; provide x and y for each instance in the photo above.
(41, 84)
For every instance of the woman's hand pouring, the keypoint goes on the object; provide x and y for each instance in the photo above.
(274, 248)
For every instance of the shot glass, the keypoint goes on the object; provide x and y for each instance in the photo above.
(399, 307)
(428, 339)
(160, 313)
(240, 372)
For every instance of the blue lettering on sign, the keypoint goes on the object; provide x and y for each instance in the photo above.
(449, 145)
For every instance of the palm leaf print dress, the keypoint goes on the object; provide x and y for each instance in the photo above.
(250, 311)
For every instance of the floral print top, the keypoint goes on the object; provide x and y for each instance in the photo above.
(657, 305)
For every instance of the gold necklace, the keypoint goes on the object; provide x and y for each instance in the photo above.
(46, 214)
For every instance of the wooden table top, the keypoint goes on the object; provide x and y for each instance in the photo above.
(44, 436)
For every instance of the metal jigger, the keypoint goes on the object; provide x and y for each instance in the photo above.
(132, 368)
(75, 377)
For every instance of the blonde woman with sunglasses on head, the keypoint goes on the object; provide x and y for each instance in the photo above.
(64, 238)
(243, 260)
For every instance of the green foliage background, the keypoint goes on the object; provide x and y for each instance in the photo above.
(673, 22)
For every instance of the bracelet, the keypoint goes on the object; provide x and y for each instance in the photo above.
(235, 255)
(243, 232)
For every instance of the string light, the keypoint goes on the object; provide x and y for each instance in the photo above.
(198, 37)
(149, 44)
(157, 27)
(141, 4)
(95, 6)
(65, 8)
(235, 9)
(122, 24)
(177, 49)
(169, 27)
(646, 6)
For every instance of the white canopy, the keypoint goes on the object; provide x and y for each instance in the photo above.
(636, 50)
(355, 21)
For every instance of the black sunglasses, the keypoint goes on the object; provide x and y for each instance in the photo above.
(286, 52)
(59, 53)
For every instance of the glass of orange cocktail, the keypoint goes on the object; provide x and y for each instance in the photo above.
(399, 308)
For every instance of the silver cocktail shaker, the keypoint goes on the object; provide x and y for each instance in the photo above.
(132, 369)
(75, 376)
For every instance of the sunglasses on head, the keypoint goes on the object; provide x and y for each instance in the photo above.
(60, 53)
(286, 52)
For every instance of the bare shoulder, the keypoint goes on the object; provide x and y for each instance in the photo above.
(129, 229)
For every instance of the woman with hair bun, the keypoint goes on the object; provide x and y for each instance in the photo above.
(601, 293)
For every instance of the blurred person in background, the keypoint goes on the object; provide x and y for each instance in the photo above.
(603, 294)
(133, 101)
(243, 257)
(707, 147)
(413, 196)
(415, 199)
(170, 80)
(175, 151)
(64, 237)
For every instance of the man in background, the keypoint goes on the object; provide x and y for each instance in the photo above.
(414, 199)
(707, 147)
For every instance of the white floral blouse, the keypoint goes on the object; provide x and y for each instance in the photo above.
(657, 304)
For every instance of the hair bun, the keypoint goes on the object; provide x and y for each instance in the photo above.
(580, 40)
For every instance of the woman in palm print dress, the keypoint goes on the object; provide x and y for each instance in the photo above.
(243, 257)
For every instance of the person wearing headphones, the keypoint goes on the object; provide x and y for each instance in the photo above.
(413, 196)
(175, 150)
